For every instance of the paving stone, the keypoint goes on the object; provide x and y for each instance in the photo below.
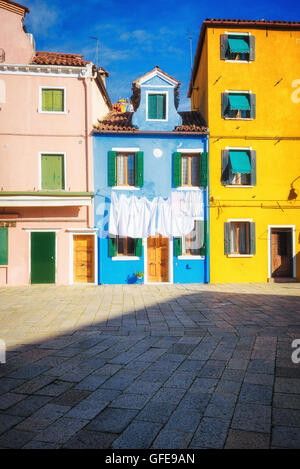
(287, 385)
(286, 401)
(239, 439)
(86, 439)
(112, 420)
(31, 386)
(285, 437)
(29, 405)
(184, 420)
(259, 378)
(15, 438)
(211, 433)
(256, 394)
(62, 430)
(33, 444)
(143, 387)
(28, 372)
(86, 409)
(204, 385)
(252, 417)
(212, 369)
(130, 401)
(8, 421)
(221, 406)
(9, 384)
(71, 397)
(181, 379)
(54, 389)
(168, 439)
(139, 435)
(233, 375)
(195, 400)
(226, 386)
(261, 366)
(157, 412)
(286, 417)
(9, 399)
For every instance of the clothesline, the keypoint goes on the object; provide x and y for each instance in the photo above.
(140, 218)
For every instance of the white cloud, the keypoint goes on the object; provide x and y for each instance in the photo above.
(42, 17)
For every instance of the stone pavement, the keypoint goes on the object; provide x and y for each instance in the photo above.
(166, 367)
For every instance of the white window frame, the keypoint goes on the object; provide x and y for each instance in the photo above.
(125, 150)
(148, 92)
(190, 257)
(43, 87)
(64, 154)
(189, 150)
(240, 220)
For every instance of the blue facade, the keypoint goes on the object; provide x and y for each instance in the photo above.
(157, 181)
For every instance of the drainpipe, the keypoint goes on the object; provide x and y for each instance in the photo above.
(207, 259)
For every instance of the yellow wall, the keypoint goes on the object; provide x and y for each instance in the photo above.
(278, 162)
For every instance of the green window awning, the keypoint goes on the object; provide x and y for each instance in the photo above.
(240, 162)
(239, 101)
(238, 45)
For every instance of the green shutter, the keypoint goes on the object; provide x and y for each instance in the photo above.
(177, 169)
(161, 106)
(139, 168)
(47, 100)
(203, 250)
(3, 246)
(111, 247)
(226, 238)
(177, 246)
(152, 106)
(58, 100)
(203, 167)
(252, 237)
(53, 172)
(112, 177)
(138, 247)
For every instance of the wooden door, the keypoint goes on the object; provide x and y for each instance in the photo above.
(158, 259)
(281, 245)
(43, 257)
(83, 258)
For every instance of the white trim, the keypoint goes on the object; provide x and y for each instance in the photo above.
(41, 70)
(189, 150)
(157, 86)
(188, 188)
(238, 61)
(54, 153)
(125, 188)
(239, 118)
(45, 201)
(234, 33)
(229, 220)
(125, 149)
(239, 148)
(44, 87)
(190, 258)
(42, 230)
(125, 258)
(240, 255)
(293, 228)
(167, 106)
(170, 266)
(155, 73)
(237, 186)
(235, 91)
(83, 231)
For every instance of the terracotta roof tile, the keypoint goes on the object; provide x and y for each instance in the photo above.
(192, 121)
(57, 58)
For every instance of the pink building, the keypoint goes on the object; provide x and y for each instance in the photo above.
(49, 103)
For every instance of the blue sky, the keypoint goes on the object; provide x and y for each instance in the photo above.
(137, 35)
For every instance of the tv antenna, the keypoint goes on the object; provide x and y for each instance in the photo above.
(97, 48)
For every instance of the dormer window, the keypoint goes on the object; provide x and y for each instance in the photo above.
(156, 106)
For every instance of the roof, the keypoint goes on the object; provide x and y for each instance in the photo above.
(14, 4)
(239, 23)
(192, 122)
(156, 69)
(58, 58)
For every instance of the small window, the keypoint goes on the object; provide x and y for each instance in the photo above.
(194, 241)
(157, 109)
(3, 246)
(53, 174)
(239, 238)
(238, 167)
(125, 169)
(190, 170)
(238, 105)
(125, 246)
(53, 100)
(237, 47)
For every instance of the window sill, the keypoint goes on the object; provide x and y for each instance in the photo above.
(125, 258)
(53, 112)
(239, 61)
(240, 255)
(239, 118)
(190, 258)
(125, 188)
(238, 185)
(188, 188)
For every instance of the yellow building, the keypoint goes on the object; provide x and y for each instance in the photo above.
(246, 83)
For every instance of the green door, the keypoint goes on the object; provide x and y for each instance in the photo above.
(43, 257)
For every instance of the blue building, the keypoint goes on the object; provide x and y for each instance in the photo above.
(151, 194)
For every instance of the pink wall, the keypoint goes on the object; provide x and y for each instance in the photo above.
(18, 51)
